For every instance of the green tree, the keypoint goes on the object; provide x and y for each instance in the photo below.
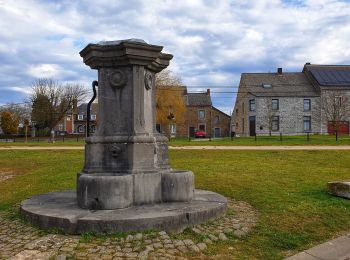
(9, 123)
(170, 103)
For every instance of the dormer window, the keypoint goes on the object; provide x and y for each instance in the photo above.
(80, 117)
(265, 85)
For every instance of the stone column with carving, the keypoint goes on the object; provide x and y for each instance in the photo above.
(126, 158)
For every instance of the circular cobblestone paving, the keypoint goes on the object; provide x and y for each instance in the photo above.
(20, 241)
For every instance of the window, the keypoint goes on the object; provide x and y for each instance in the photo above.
(60, 127)
(243, 108)
(69, 118)
(242, 124)
(202, 127)
(275, 104)
(337, 101)
(267, 85)
(307, 104)
(81, 129)
(201, 114)
(158, 128)
(173, 129)
(307, 123)
(236, 111)
(80, 117)
(252, 105)
(93, 117)
(275, 126)
(216, 119)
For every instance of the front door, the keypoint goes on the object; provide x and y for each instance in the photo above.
(252, 126)
(217, 132)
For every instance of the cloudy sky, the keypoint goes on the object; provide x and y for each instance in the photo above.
(213, 42)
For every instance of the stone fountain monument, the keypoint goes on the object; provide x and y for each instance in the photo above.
(126, 183)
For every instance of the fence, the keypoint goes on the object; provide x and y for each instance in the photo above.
(48, 139)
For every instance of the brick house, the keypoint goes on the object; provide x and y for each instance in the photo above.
(200, 115)
(203, 116)
(81, 116)
(66, 124)
(289, 103)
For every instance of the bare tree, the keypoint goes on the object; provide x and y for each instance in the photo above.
(51, 101)
(167, 78)
(335, 106)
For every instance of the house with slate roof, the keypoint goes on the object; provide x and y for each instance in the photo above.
(291, 103)
(81, 116)
(201, 115)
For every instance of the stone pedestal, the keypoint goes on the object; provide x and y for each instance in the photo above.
(126, 183)
(126, 161)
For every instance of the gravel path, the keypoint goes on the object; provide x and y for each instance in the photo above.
(257, 148)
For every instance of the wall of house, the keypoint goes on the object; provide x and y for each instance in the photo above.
(223, 123)
(291, 115)
(193, 119)
(240, 122)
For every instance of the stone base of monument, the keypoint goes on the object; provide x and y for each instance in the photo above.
(60, 210)
(339, 188)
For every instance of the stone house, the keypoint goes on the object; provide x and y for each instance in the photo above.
(200, 115)
(289, 103)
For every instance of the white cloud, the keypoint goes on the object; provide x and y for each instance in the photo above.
(212, 41)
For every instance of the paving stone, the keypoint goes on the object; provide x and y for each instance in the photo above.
(208, 241)
(179, 243)
(213, 238)
(239, 233)
(61, 257)
(222, 237)
(169, 246)
(129, 238)
(201, 246)
(157, 245)
(188, 242)
(195, 248)
(138, 236)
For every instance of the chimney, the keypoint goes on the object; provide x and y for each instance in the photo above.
(208, 91)
(279, 71)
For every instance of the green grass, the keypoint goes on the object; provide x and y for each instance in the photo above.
(288, 188)
(265, 140)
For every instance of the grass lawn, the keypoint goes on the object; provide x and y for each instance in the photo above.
(266, 140)
(288, 188)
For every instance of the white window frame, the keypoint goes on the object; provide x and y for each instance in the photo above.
(307, 101)
(92, 117)
(200, 112)
(80, 117)
(307, 119)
